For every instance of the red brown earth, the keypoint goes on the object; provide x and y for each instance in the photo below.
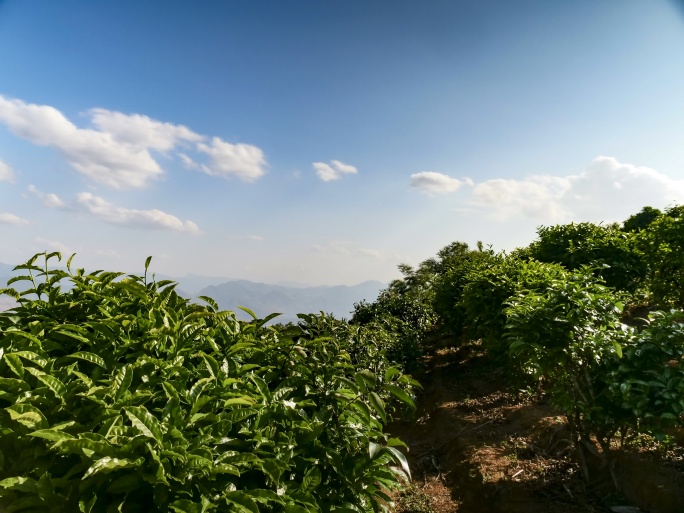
(478, 444)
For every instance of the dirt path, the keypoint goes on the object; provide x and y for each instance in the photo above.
(478, 445)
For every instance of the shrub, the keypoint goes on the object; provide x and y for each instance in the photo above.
(119, 395)
(571, 335)
(450, 284)
(489, 289)
(662, 245)
(611, 253)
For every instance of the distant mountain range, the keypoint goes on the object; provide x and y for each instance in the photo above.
(287, 298)
(264, 299)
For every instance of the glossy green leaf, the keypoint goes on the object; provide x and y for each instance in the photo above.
(400, 394)
(401, 459)
(19, 484)
(108, 464)
(54, 435)
(241, 502)
(89, 357)
(311, 480)
(144, 422)
(30, 355)
(28, 415)
(242, 400)
(122, 381)
(53, 384)
(14, 363)
(378, 405)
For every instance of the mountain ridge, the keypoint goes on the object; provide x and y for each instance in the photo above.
(262, 298)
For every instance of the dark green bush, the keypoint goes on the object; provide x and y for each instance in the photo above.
(489, 288)
(662, 245)
(611, 253)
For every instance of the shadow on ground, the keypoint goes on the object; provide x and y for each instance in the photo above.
(478, 444)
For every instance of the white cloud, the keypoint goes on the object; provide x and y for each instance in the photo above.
(117, 151)
(333, 171)
(6, 173)
(49, 200)
(154, 219)
(243, 161)
(101, 209)
(188, 162)
(141, 131)
(6, 218)
(97, 155)
(537, 196)
(607, 190)
(256, 238)
(435, 183)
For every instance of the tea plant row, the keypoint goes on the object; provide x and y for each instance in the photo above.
(117, 394)
(591, 312)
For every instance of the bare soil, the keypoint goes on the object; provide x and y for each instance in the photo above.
(478, 444)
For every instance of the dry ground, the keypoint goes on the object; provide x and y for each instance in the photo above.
(478, 444)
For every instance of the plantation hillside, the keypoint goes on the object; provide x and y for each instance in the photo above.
(119, 394)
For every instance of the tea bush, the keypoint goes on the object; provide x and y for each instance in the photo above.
(117, 394)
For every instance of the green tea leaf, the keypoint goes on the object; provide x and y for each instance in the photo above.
(86, 506)
(378, 405)
(89, 357)
(241, 501)
(122, 381)
(30, 355)
(185, 506)
(14, 363)
(244, 400)
(311, 480)
(400, 394)
(401, 459)
(28, 415)
(250, 312)
(108, 464)
(20, 484)
(54, 435)
(53, 384)
(145, 422)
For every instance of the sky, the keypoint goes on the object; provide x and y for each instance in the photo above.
(325, 142)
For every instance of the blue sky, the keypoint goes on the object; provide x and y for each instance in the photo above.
(326, 142)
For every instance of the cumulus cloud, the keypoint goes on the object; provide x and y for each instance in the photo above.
(606, 190)
(536, 196)
(188, 162)
(97, 155)
(6, 173)
(333, 171)
(7, 218)
(243, 161)
(118, 150)
(49, 200)
(436, 183)
(141, 131)
(109, 213)
(99, 208)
